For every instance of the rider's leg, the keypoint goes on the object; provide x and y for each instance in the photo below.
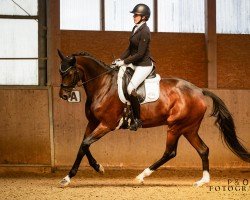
(139, 76)
(135, 104)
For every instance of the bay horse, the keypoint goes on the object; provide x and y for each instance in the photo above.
(181, 106)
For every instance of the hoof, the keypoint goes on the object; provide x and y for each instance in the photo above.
(205, 179)
(65, 181)
(101, 169)
(200, 183)
(139, 180)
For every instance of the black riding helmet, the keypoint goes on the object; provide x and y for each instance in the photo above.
(142, 9)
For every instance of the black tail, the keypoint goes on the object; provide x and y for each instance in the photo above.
(226, 125)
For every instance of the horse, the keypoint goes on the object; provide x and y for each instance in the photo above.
(181, 106)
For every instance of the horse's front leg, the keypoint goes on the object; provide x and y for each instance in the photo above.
(98, 132)
(92, 162)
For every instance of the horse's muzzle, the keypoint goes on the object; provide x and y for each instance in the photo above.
(64, 94)
(65, 97)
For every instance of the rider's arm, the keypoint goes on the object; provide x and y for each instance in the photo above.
(142, 48)
(125, 54)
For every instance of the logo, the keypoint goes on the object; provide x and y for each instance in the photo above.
(232, 185)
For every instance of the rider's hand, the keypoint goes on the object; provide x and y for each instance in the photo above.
(119, 63)
(115, 61)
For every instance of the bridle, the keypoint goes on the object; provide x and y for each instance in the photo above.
(76, 77)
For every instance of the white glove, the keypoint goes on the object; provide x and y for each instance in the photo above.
(115, 61)
(119, 63)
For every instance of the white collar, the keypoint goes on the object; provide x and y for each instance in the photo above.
(139, 25)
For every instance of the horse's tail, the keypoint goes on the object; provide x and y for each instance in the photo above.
(226, 125)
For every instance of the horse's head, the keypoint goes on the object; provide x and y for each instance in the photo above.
(70, 75)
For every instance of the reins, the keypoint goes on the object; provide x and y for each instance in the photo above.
(106, 72)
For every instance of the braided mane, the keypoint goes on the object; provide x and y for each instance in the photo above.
(86, 54)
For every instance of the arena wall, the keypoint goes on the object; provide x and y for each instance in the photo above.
(233, 61)
(24, 127)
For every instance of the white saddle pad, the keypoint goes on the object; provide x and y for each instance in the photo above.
(152, 86)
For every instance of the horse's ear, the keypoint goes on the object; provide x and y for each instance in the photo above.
(60, 54)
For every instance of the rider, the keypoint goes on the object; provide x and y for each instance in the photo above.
(138, 54)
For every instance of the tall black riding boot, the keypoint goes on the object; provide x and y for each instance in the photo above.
(135, 104)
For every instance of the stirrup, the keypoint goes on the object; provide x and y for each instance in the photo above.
(135, 125)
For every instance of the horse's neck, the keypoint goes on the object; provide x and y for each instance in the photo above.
(94, 77)
(99, 87)
(91, 67)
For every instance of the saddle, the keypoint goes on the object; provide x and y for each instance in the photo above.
(141, 90)
(148, 91)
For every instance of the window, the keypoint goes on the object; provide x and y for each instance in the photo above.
(233, 16)
(18, 72)
(80, 14)
(18, 42)
(18, 38)
(181, 16)
(18, 7)
(118, 16)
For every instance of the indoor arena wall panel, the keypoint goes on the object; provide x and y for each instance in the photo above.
(233, 61)
(24, 127)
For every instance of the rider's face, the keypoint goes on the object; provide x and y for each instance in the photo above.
(137, 18)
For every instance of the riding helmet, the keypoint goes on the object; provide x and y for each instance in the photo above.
(142, 9)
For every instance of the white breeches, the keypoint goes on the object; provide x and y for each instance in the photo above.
(140, 74)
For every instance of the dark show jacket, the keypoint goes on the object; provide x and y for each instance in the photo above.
(138, 52)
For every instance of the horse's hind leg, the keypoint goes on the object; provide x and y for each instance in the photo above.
(170, 152)
(203, 151)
